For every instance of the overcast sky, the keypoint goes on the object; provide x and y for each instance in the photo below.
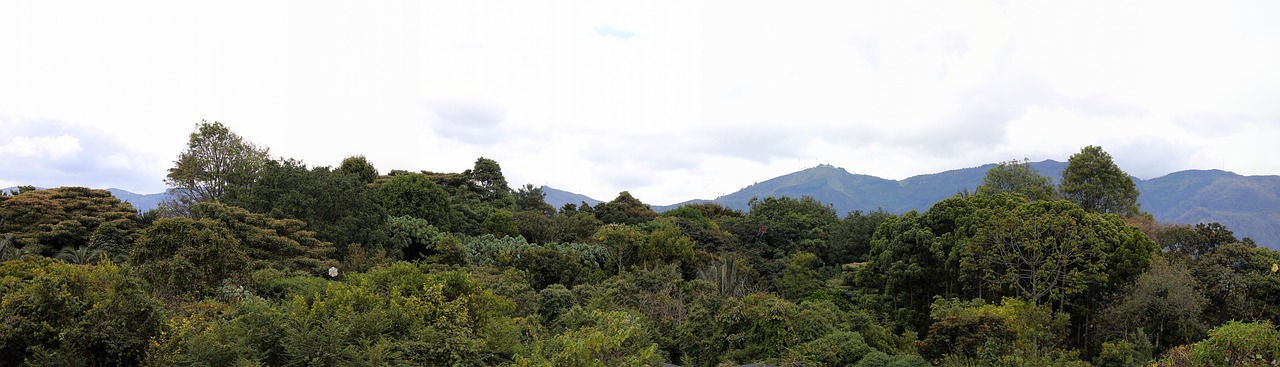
(669, 100)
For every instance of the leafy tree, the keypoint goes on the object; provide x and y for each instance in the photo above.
(46, 221)
(1163, 302)
(500, 223)
(623, 243)
(596, 338)
(216, 162)
(625, 209)
(270, 242)
(359, 167)
(1013, 332)
(417, 196)
(1239, 344)
(1016, 177)
(186, 257)
(485, 180)
(530, 198)
(338, 207)
(850, 238)
(801, 277)
(1094, 182)
(72, 315)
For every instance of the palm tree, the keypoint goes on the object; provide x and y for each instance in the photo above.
(8, 249)
(82, 255)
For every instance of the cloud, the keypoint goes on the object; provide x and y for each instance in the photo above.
(50, 153)
(610, 31)
(472, 121)
(42, 147)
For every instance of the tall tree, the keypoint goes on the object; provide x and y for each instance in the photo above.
(216, 162)
(360, 167)
(1018, 178)
(1093, 181)
(489, 182)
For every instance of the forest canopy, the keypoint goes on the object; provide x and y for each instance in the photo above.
(271, 261)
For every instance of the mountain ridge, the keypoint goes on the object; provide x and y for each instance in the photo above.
(1248, 205)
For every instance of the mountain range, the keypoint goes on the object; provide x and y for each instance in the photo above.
(1248, 205)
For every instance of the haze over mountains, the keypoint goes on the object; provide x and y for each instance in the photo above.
(1248, 205)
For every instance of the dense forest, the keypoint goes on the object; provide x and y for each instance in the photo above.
(262, 260)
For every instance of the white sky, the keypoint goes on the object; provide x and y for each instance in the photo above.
(669, 100)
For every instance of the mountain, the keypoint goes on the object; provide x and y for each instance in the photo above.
(142, 202)
(1248, 205)
(557, 198)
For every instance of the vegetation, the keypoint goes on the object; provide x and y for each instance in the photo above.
(272, 262)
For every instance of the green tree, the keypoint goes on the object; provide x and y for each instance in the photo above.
(216, 162)
(1094, 182)
(500, 223)
(338, 207)
(530, 198)
(184, 257)
(359, 167)
(46, 221)
(417, 196)
(1017, 178)
(59, 314)
(1239, 344)
(486, 177)
(1163, 303)
(625, 209)
(270, 242)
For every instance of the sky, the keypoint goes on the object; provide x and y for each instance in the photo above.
(670, 100)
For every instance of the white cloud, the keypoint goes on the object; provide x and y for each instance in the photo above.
(669, 100)
(42, 147)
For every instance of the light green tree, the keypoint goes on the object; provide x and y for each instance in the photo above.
(1018, 178)
(217, 161)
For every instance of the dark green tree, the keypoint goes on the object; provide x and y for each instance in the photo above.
(1094, 182)
(1017, 178)
(625, 209)
(530, 198)
(417, 196)
(359, 167)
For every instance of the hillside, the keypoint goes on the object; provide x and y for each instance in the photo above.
(1248, 205)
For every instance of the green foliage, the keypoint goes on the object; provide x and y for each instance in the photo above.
(270, 242)
(397, 315)
(1014, 177)
(1163, 302)
(1094, 182)
(625, 209)
(216, 162)
(850, 238)
(1014, 332)
(595, 338)
(73, 315)
(500, 223)
(1239, 344)
(359, 167)
(187, 257)
(47, 221)
(416, 196)
(530, 198)
(801, 278)
(339, 208)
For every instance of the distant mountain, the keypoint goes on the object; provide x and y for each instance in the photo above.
(557, 198)
(1248, 205)
(142, 202)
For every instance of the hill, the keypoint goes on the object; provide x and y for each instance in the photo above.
(1248, 205)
